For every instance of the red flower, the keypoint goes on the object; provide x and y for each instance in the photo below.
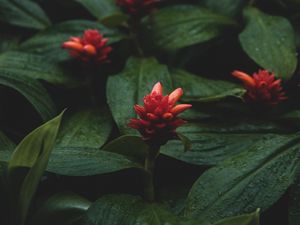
(91, 47)
(137, 8)
(158, 117)
(262, 87)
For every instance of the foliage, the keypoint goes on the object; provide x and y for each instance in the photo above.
(235, 162)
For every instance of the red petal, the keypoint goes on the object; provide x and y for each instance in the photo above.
(90, 49)
(247, 79)
(175, 96)
(73, 45)
(180, 108)
(157, 88)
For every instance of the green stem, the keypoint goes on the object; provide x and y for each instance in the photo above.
(149, 192)
(134, 25)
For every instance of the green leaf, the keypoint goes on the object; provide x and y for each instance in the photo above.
(246, 219)
(201, 89)
(131, 85)
(61, 209)
(8, 41)
(214, 140)
(32, 90)
(185, 141)
(48, 43)
(270, 42)
(6, 147)
(87, 162)
(131, 146)
(294, 203)
(33, 66)
(243, 182)
(88, 128)
(24, 13)
(129, 210)
(226, 7)
(105, 10)
(176, 27)
(33, 152)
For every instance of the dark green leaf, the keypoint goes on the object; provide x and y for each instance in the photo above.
(32, 90)
(270, 42)
(6, 147)
(129, 210)
(185, 141)
(34, 67)
(180, 26)
(87, 162)
(246, 219)
(226, 7)
(8, 42)
(131, 146)
(131, 85)
(33, 152)
(24, 13)
(48, 43)
(294, 203)
(243, 182)
(88, 128)
(61, 209)
(212, 142)
(201, 89)
(105, 10)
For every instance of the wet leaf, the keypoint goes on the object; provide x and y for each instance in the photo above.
(180, 26)
(199, 89)
(270, 42)
(24, 13)
(32, 152)
(61, 209)
(243, 182)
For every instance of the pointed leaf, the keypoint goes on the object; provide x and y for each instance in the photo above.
(226, 7)
(270, 42)
(33, 152)
(131, 146)
(105, 10)
(294, 202)
(61, 209)
(129, 210)
(246, 219)
(88, 128)
(242, 183)
(81, 161)
(180, 26)
(214, 141)
(201, 89)
(35, 67)
(32, 90)
(24, 13)
(6, 147)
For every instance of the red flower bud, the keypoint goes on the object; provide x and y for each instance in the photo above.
(90, 47)
(137, 8)
(158, 117)
(262, 87)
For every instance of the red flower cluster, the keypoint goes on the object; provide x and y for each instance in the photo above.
(137, 8)
(91, 47)
(158, 117)
(262, 87)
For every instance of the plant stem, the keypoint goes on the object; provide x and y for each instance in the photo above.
(149, 192)
(134, 27)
